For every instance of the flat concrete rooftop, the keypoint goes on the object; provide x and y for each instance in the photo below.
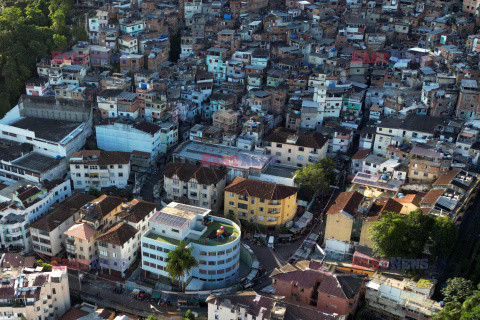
(47, 129)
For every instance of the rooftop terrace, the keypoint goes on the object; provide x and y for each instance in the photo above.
(204, 239)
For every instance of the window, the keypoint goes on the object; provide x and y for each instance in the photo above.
(242, 206)
(232, 195)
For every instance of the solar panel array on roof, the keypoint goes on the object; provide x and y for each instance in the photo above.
(171, 220)
(192, 209)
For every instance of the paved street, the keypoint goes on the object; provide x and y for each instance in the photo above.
(271, 259)
(101, 292)
(151, 180)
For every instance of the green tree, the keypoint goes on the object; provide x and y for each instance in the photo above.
(443, 236)
(151, 318)
(457, 290)
(390, 236)
(189, 315)
(46, 266)
(79, 34)
(407, 236)
(180, 262)
(316, 176)
(27, 30)
(468, 310)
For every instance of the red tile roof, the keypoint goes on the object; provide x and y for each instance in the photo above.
(119, 234)
(445, 178)
(260, 189)
(361, 154)
(81, 231)
(187, 171)
(347, 202)
(136, 210)
(432, 196)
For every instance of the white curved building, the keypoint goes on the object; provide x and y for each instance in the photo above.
(215, 242)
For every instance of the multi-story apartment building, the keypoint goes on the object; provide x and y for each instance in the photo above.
(117, 103)
(47, 232)
(248, 305)
(96, 23)
(405, 299)
(96, 217)
(119, 136)
(215, 242)
(117, 248)
(202, 186)
(295, 148)
(34, 295)
(468, 100)
(394, 131)
(309, 287)
(22, 204)
(99, 169)
(260, 202)
(427, 164)
(226, 120)
(107, 233)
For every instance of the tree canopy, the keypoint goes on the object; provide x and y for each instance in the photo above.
(407, 236)
(29, 30)
(457, 290)
(180, 262)
(316, 176)
(463, 302)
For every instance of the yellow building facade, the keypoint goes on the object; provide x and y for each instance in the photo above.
(263, 203)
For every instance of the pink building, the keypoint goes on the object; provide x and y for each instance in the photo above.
(330, 293)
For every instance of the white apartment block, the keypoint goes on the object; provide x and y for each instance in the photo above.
(23, 204)
(117, 248)
(144, 137)
(393, 131)
(47, 232)
(203, 186)
(215, 242)
(405, 299)
(99, 169)
(34, 295)
(295, 148)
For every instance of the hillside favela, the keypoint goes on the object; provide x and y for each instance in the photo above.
(239, 160)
